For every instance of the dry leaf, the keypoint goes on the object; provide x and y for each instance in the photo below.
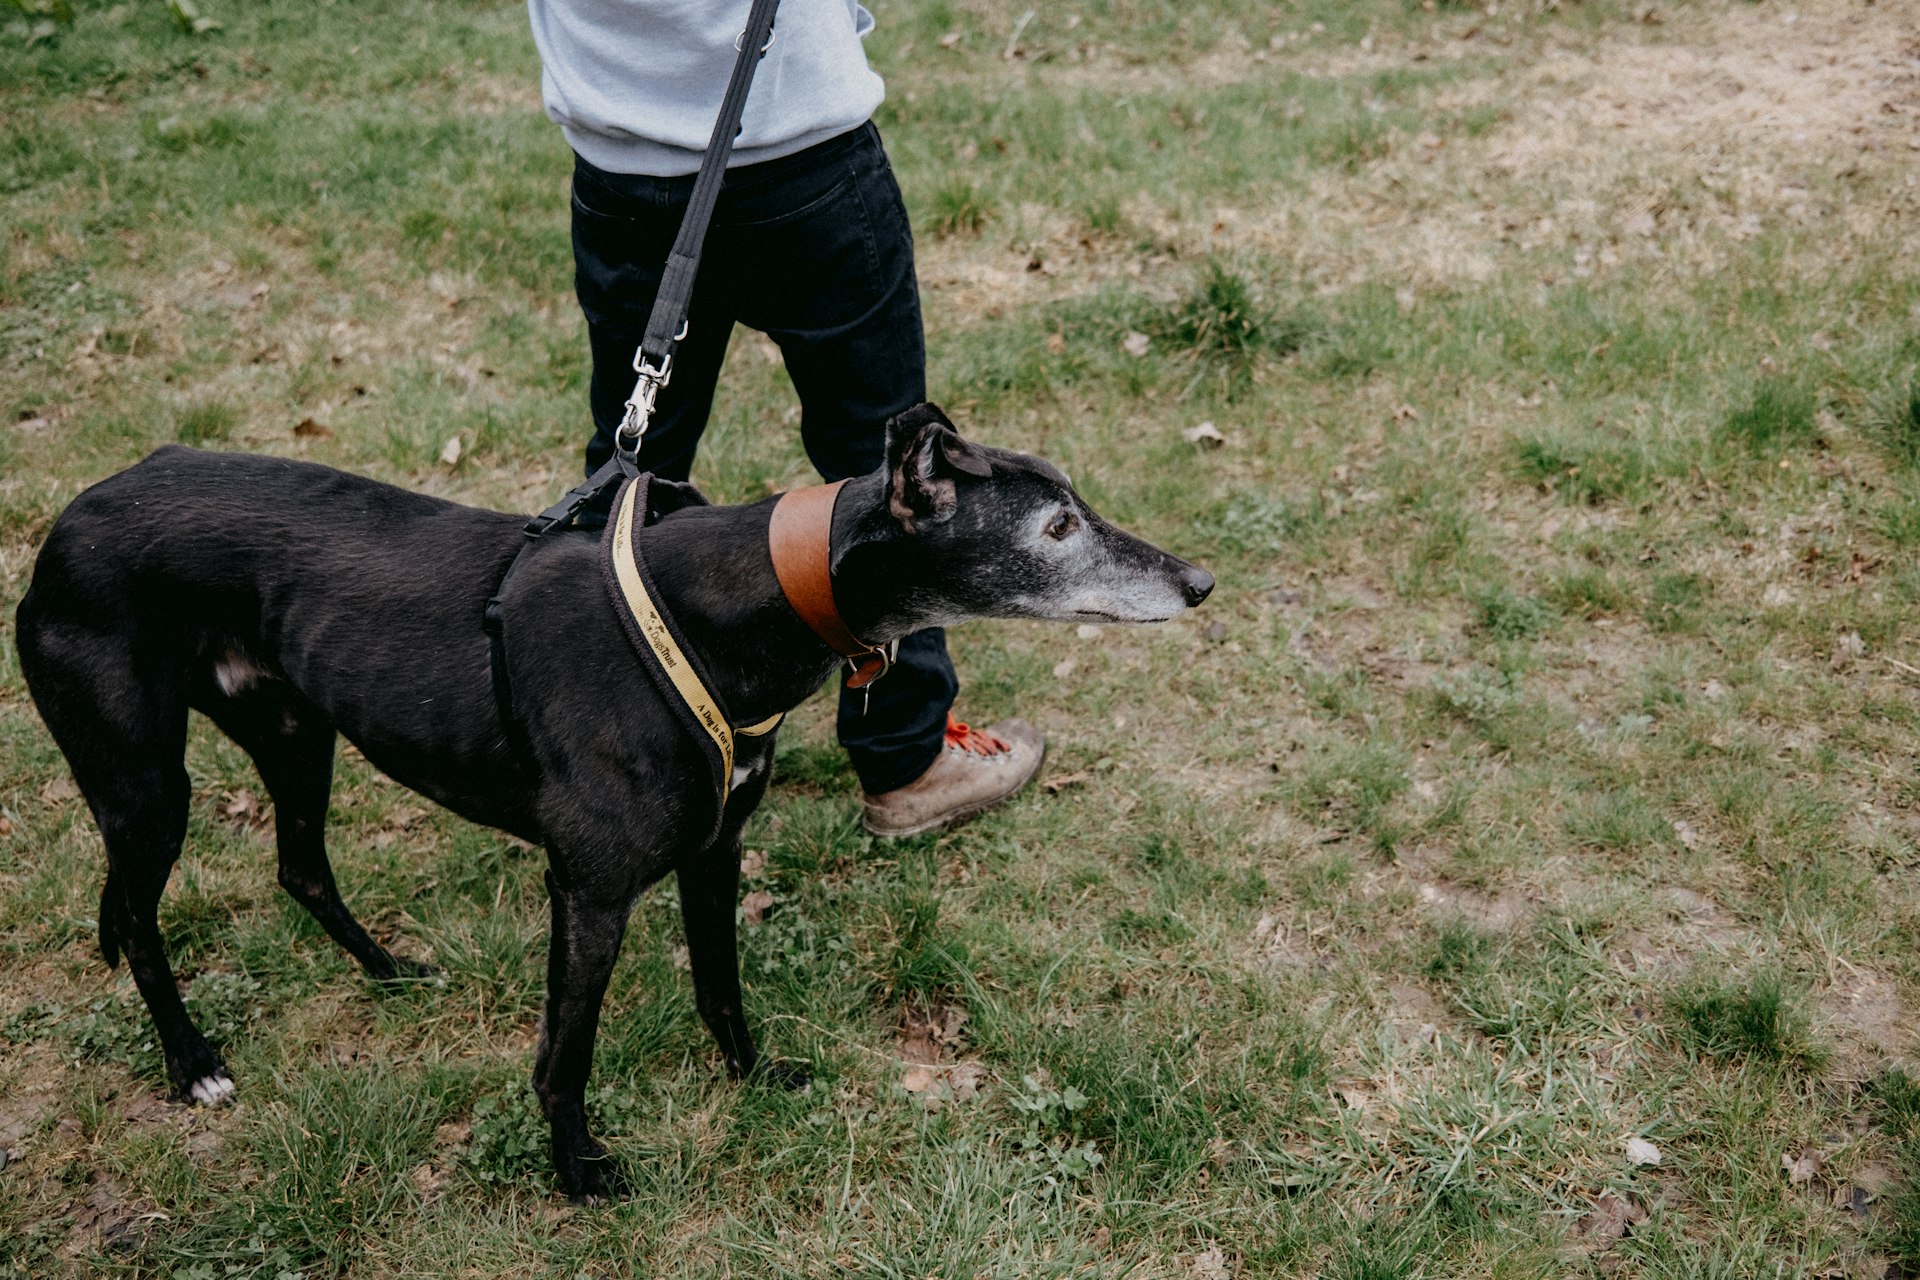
(950, 39)
(312, 429)
(59, 791)
(1087, 631)
(965, 1079)
(1640, 1151)
(1061, 781)
(1800, 1169)
(753, 907)
(450, 451)
(1687, 834)
(1406, 413)
(753, 862)
(917, 1079)
(1713, 691)
(1206, 435)
(1064, 668)
(428, 1181)
(1846, 650)
(1610, 1219)
(1210, 1265)
(1135, 343)
(1216, 631)
(1056, 343)
(240, 806)
(6, 826)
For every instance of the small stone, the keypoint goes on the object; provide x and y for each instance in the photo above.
(1216, 631)
(1206, 435)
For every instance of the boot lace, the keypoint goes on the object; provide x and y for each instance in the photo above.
(977, 741)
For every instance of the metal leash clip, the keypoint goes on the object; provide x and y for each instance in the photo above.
(646, 388)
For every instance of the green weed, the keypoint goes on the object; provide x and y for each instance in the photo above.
(1779, 415)
(1895, 423)
(1757, 1019)
(959, 208)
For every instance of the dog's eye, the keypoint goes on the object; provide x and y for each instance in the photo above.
(1062, 525)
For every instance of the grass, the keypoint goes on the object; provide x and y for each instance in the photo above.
(1519, 792)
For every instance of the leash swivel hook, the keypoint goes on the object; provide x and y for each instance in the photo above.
(646, 389)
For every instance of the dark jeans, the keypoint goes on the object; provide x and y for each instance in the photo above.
(813, 250)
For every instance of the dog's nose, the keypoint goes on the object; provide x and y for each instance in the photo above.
(1197, 583)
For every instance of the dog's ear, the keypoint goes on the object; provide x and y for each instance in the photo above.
(925, 455)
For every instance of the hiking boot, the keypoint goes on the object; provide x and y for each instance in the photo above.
(975, 770)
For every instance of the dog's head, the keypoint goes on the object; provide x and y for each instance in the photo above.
(969, 531)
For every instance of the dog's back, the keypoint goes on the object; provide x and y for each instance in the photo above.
(206, 580)
(202, 535)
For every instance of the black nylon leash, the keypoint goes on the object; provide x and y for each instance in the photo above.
(667, 324)
(652, 362)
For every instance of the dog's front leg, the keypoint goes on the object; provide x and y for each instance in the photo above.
(709, 891)
(587, 929)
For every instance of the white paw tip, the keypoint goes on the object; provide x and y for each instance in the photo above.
(211, 1091)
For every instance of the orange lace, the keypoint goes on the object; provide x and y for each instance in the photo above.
(978, 741)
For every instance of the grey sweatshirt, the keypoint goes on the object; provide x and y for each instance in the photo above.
(635, 84)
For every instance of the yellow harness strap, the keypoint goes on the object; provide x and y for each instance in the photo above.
(653, 629)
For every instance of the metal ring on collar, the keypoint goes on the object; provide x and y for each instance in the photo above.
(771, 37)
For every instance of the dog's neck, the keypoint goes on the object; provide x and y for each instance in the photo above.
(759, 657)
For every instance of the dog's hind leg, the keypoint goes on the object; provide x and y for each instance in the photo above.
(291, 743)
(121, 720)
(143, 819)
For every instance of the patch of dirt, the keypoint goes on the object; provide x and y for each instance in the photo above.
(23, 1112)
(1869, 1023)
(1698, 925)
(106, 1218)
(1816, 80)
(1494, 913)
(1413, 1012)
(1277, 941)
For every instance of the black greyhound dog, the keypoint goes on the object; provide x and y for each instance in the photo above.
(290, 602)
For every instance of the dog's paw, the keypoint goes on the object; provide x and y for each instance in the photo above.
(199, 1076)
(594, 1180)
(781, 1074)
(404, 972)
(212, 1090)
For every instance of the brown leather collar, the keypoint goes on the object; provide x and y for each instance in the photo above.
(798, 537)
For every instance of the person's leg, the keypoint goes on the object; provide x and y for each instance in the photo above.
(623, 228)
(818, 254)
